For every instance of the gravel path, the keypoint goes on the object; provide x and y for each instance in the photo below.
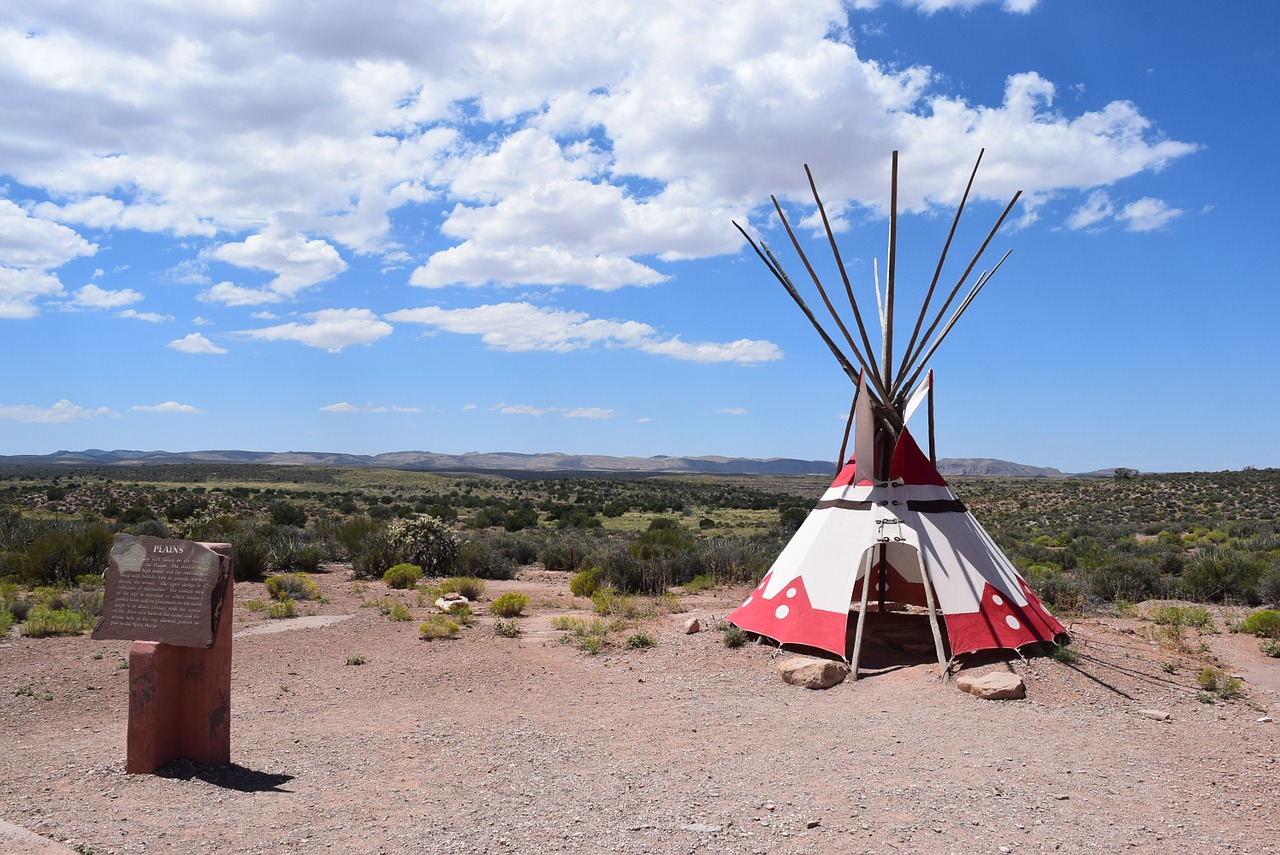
(488, 744)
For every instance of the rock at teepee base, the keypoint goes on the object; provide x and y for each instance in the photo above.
(997, 686)
(691, 626)
(812, 673)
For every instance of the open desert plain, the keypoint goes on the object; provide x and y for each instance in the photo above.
(350, 733)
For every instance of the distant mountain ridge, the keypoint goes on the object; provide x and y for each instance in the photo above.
(514, 461)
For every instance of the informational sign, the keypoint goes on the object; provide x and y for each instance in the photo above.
(170, 591)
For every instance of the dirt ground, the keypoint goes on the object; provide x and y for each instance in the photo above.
(500, 745)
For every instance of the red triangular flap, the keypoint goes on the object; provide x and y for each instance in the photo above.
(910, 465)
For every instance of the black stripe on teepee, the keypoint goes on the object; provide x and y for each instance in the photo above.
(936, 506)
(843, 504)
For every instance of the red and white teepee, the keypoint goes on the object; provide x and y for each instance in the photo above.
(889, 523)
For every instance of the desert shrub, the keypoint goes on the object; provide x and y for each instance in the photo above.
(1123, 580)
(283, 512)
(564, 554)
(585, 582)
(639, 641)
(735, 560)
(1061, 592)
(484, 558)
(398, 611)
(1219, 682)
(1271, 647)
(87, 603)
(735, 636)
(55, 553)
(151, 528)
(350, 535)
(377, 554)
(425, 541)
(438, 626)
(44, 621)
(1268, 587)
(1223, 574)
(1184, 616)
(587, 634)
(402, 576)
(6, 622)
(468, 586)
(506, 628)
(1264, 624)
(700, 582)
(251, 553)
(462, 613)
(1066, 655)
(282, 609)
(509, 604)
(356, 660)
(670, 554)
(255, 605)
(292, 586)
(290, 553)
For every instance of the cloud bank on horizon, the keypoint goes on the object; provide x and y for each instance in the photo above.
(339, 175)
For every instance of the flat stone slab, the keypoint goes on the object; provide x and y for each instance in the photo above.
(997, 686)
(286, 624)
(811, 673)
(15, 838)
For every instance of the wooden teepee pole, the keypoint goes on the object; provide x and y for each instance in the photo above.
(913, 360)
(862, 611)
(937, 273)
(795, 243)
(835, 251)
(887, 367)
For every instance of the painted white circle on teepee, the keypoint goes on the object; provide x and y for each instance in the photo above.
(781, 612)
(995, 598)
(791, 592)
(1013, 622)
(747, 602)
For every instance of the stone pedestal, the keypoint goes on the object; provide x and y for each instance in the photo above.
(180, 697)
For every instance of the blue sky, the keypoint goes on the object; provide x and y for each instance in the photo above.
(499, 226)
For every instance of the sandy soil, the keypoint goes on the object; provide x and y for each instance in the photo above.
(489, 744)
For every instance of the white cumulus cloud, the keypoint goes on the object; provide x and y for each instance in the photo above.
(93, 297)
(168, 407)
(340, 407)
(330, 329)
(518, 327)
(195, 343)
(590, 413)
(60, 413)
(1147, 214)
(149, 317)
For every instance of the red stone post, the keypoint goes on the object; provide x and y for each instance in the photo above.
(180, 697)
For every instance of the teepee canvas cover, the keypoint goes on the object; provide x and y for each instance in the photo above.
(889, 522)
(806, 596)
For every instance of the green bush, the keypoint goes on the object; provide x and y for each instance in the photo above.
(1219, 682)
(506, 628)
(1223, 574)
(1268, 588)
(283, 512)
(376, 555)
(639, 641)
(44, 621)
(508, 605)
(484, 558)
(585, 582)
(292, 586)
(425, 541)
(468, 586)
(1264, 624)
(294, 554)
(398, 612)
(6, 622)
(402, 576)
(735, 636)
(1271, 647)
(438, 626)
(1180, 616)
(282, 609)
(563, 554)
